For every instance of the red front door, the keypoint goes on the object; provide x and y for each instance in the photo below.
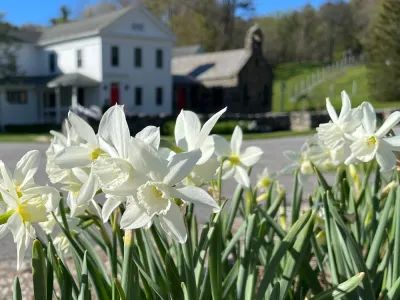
(114, 93)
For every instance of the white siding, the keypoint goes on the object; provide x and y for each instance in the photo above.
(66, 57)
(148, 76)
(19, 114)
(27, 56)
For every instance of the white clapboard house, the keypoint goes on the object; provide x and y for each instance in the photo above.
(120, 57)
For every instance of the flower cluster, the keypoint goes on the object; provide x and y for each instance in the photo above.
(349, 138)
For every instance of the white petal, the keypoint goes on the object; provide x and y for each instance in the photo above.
(109, 206)
(134, 217)
(394, 141)
(84, 130)
(228, 171)
(207, 150)
(112, 172)
(179, 132)
(331, 111)
(197, 196)
(291, 155)
(346, 105)
(26, 168)
(180, 166)
(207, 127)
(206, 172)
(385, 157)
(222, 147)
(192, 127)
(16, 226)
(7, 183)
(10, 199)
(363, 150)
(150, 135)
(369, 119)
(172, 223)
(389, 124)
(74, 156)
(80, 174)
(303, 178)
(106, 147)
(104, 126)
(120, 135)
(88, 190)
(50, 196)
(236, 140)
(241, 177)
(144, 158)
(251, 156)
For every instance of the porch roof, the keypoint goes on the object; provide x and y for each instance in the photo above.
(72, 79)
(26, 80)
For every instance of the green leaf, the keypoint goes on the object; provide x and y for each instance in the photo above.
(39, 271)
(127, 265)
(275, 293)
(235, 239)
(17, 294)
(274, 263)
(229, 281)
(119, 289)
(396, 254)
(380, 232)
(84, 291)
(5, 216)
(167, 144)
(394, 292)
(296, 256)
(185, 292)
(173, 278)
(341, 290)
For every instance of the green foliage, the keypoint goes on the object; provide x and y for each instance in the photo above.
(384, 53)
(268, 256)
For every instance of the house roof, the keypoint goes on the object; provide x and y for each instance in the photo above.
(79, 28)
(25, 35)
(72, 79)
(211, 66)
(187, 50)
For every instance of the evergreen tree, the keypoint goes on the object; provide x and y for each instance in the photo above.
(8, 45)
(384, 53)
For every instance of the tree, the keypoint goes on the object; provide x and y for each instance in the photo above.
(8, 46)
(64, 18)
(384, 53)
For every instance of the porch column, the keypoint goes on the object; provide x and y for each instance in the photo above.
(58, 105)
(74, 99)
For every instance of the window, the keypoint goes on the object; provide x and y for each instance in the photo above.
(138, 57)
(79, 58)
(138, 96)
(114, 56)
(17, 97)
(159, 96)
(52, 62)
(159, 58)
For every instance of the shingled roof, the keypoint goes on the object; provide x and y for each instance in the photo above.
(211, 66)
(187, 50)
(79, 28)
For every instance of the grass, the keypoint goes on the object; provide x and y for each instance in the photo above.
(262, 136)
(22, 137)
(292, 74)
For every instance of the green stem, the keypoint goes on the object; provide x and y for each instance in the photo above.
(189, 270)
(113, 258)
(127, 266)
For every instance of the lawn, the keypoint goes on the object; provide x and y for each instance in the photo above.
(292, 74)
(343, 81)
(23, 137)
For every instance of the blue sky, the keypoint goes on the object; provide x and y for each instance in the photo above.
(40, 12)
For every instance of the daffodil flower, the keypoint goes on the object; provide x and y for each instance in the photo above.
(301, 161)
(265, 179)
(236, 161)
(161, 193)
(189, 136)
(326, 158)
(333, 134)
(25, 202)
(369, 143)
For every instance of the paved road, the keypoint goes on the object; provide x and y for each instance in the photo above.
(273, 158)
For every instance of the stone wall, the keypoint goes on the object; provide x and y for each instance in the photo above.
(265, 122)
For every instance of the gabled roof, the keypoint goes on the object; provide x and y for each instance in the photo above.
(211, 66)
(80, 28)
(187, 50)
(25, 35)
(72, 79)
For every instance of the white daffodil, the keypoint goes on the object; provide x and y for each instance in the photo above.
(333, 133)
(265, 179)
(158, 195)
(93, 146)
(369, 143)
(301, 161)
(189, 136)
(58, 143)
(25, 202)
(236, 161)
(326, 158)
